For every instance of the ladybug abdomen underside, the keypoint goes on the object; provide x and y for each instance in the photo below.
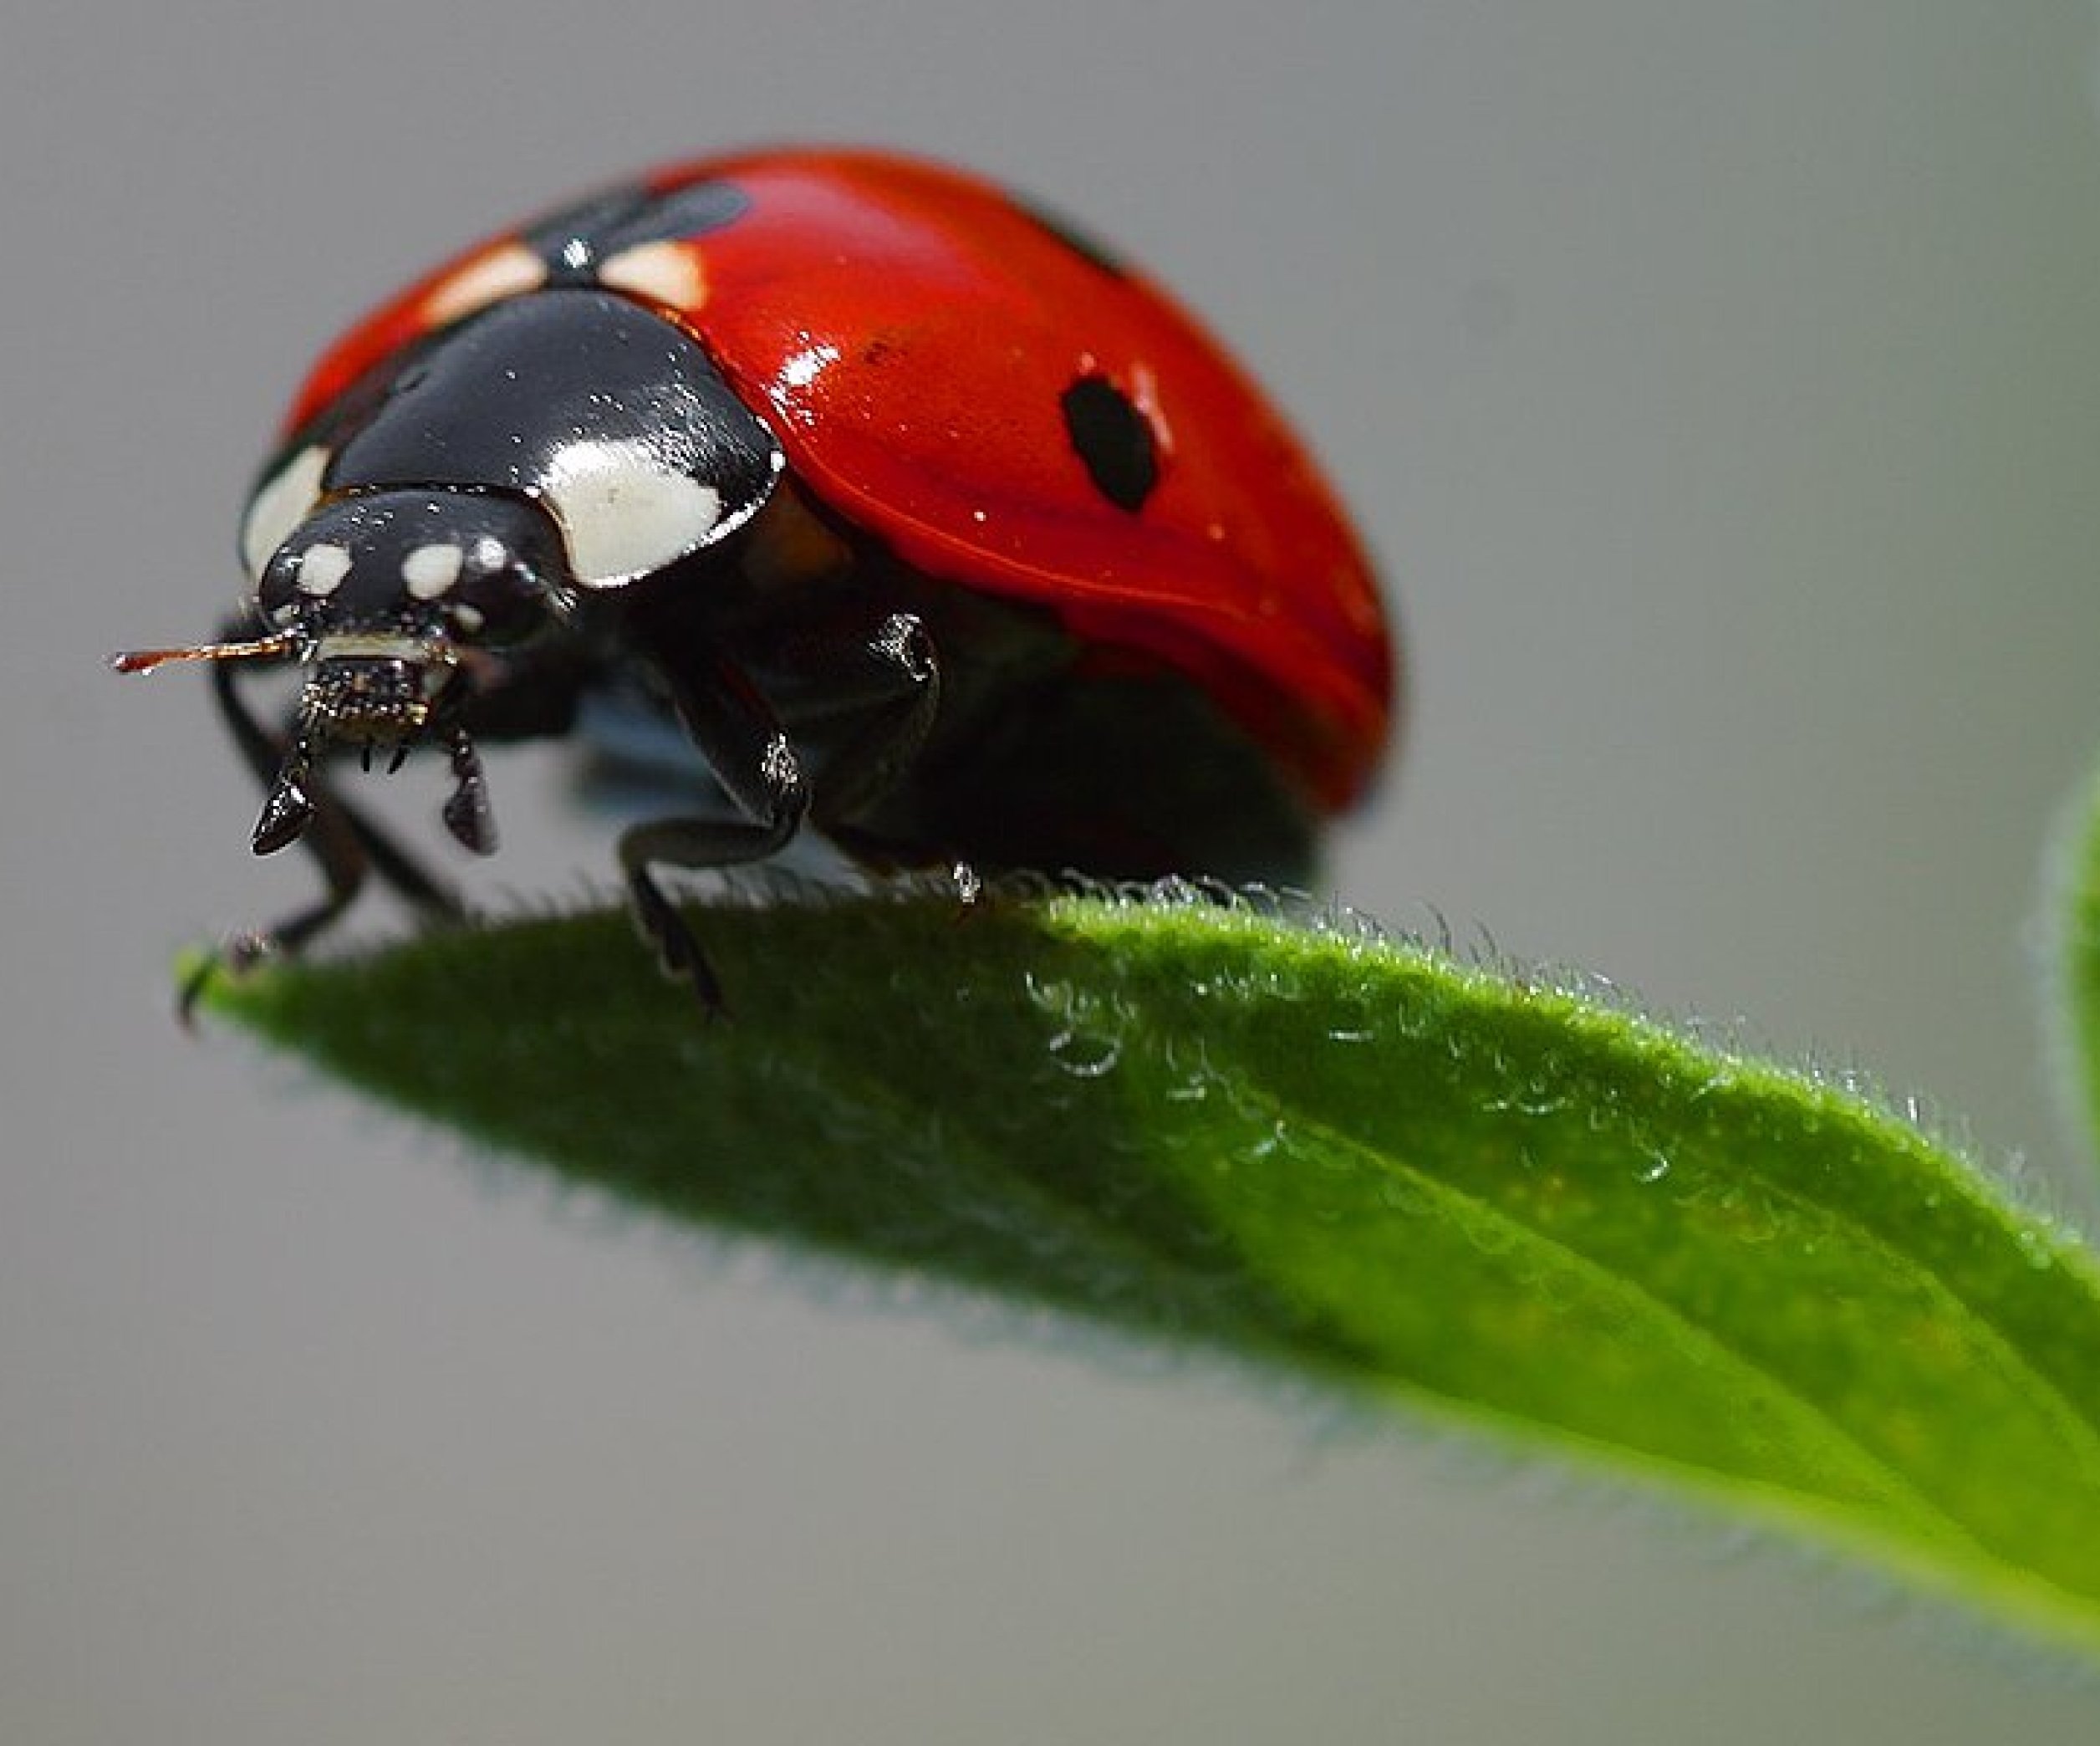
(1046, 753)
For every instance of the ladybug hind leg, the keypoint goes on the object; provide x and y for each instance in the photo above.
(883, 689)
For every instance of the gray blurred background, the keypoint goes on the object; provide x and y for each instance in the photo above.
(1721, 387)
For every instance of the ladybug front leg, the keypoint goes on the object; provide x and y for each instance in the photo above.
(343, 843)
(737, 732)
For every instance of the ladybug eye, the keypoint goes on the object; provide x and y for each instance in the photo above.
(498, 597)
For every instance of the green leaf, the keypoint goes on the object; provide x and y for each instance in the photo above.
(1482, 1195)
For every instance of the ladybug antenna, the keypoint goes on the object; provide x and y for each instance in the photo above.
(261, 648)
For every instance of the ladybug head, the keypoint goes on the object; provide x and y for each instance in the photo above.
(384, 597)
(381, 595)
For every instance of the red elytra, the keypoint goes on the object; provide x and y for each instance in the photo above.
(909, 331)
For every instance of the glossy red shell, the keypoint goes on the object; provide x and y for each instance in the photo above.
(909, 332)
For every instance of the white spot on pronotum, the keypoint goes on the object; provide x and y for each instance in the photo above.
(430, 570)
(322, 569)
(508, 269)
(488, 554)
(667, 273)
(623, 515)
(280, 503)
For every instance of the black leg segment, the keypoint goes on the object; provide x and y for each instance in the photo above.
(745, 746)
(881, 693)
(343, 843)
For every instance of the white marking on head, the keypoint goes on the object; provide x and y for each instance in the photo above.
(505, 269)
(668, 273)
(430, 570)
(280, 503)
(623, 515)
(434, 662)
(322, 569)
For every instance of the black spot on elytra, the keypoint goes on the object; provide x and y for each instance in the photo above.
(1113, 439)
(1083, 243)
(573, 241)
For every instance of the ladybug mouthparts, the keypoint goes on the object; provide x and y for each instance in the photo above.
(376, 691)
(373, 698)
(365, 689)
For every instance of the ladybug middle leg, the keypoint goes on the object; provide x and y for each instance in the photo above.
(873, 699)
(886, 690)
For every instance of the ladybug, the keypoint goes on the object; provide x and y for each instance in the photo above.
(930, 521)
